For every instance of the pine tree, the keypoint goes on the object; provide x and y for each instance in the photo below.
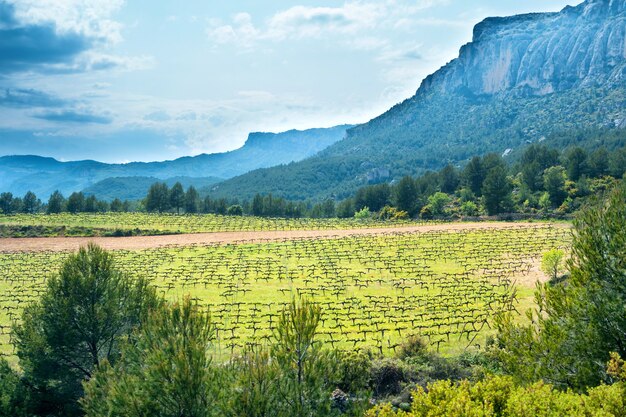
(177, 197)
(80, 321)
(496, 191)
(192, 200)
(56, 203)
(405, 195)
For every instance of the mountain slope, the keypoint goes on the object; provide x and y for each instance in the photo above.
(522, 78)
(19, 174)
(136, 188)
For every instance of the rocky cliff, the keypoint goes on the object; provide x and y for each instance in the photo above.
(538, 54)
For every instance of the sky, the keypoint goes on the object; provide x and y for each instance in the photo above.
(145, 80)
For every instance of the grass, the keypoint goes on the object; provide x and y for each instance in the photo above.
(200, 223)
(375, 291)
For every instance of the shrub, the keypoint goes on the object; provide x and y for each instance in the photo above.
(235, 210)
(363, 214)
(498, 396)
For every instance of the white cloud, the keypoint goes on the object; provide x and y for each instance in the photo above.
(307, 22)
(361, 25)
(91, 18)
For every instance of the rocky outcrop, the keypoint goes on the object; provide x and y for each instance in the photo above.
(541, 53)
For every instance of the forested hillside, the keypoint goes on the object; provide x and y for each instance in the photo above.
(521, 80)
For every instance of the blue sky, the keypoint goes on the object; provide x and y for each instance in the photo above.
(118, 81)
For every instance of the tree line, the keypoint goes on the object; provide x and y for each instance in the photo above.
(77, 202)
(162, 199)
(543, 180)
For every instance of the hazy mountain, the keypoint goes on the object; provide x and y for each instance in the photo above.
(19, 174)
(521, 79)
(136, 188)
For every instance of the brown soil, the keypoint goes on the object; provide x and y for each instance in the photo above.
(534, 276)
(58, 244)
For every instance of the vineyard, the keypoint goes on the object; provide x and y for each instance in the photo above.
(201, 223)
(375, 290)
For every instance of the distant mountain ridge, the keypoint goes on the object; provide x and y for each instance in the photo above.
(44, 175)
(136, 188)
(521, 79)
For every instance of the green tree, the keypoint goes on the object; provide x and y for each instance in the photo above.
(6, 203)
(374, 196)
(328, 209)
(56, 203)
(535, 160)
(235, 210)
(254, 392)
(552, 263)
(76, 203)
(617, 163)
(158, 198)
(305, 368)
(192, 200)
(405, 195)
(598, 164)
(91, 204)
(345, 209)
(449, 179)
(576, 163)
(554, 183)
(438, 203)
(576, 325)
(79, 322)
(257, 205)
(177, 197)
(167, 372)
(469, 208)
(31, 204)
(473, 175)
(117, 205)
(13, 393)
(496, 191)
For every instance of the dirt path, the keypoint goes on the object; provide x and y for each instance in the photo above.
(58, 244)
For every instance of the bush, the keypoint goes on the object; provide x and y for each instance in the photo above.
(388, 377)
(413, 347)
(354, 371)
(393, 214)
(363, 214)
(235, 210)
(498, 396)
(552, 263)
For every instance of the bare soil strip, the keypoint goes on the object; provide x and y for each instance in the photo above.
(61, 244)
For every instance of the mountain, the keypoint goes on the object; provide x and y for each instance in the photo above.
(41, 175)
(521, 79)
(136, 188)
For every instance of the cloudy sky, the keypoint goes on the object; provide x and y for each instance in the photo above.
(123, 80)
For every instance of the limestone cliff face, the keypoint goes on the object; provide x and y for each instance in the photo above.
(538, 54)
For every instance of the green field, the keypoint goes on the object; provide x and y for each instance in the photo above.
(201, 223)
(375, 290)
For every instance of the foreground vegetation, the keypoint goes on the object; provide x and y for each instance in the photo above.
(100, 342)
